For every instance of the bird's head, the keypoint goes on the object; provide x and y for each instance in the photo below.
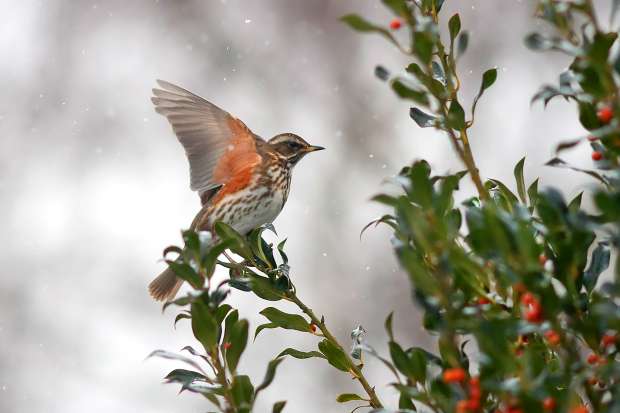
(291, 147)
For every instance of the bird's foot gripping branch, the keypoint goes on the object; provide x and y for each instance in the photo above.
(223, 335)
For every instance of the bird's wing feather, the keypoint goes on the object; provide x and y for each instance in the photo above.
(218, 146)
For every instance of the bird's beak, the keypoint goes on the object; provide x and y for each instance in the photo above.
(314, 148)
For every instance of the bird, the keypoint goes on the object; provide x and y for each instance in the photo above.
(242, 179)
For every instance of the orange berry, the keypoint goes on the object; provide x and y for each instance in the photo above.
(592, 381)
(605, 114)
(542, 259)
(227, 345)
(462, 406)
(313, 328)
(592, 359)
(579, 409)
(395, 24)
(597, 156)
(454, 375)
(549, 404)
(552, 337)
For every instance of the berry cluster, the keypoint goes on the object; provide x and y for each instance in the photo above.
(474, 391)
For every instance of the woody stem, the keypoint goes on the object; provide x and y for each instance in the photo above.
(355, 371)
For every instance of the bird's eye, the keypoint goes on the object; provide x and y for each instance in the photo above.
(294, 145)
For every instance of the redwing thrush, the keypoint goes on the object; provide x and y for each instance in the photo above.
(242, 179)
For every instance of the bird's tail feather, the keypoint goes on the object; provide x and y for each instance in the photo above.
(165, 286)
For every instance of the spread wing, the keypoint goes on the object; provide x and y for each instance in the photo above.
(218, 146)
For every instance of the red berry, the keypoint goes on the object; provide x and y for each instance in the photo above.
(580, 409)
(597, 156)
(528, 299)
(549, 404)
(469, 405)
(592, 359)
(474, 383)
(608, 340)
(534, 314)
(395, 24)
(227, 345)
(473, 404)
(552, 337)
(483, 301)
(474, 388)
(542, 259)
(455, 375)
(605, 114)
(313, 328)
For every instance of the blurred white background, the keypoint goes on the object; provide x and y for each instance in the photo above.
(93, 184)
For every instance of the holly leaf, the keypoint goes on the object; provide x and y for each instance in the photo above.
(204, 326)
(348, 397)
(423, 120)
(454, 24)
(488, 78)
(186, 272)
(519, 178)
(362, 25)
(278, 406)
(238, 339)
(300, 354)
(559, 163)
(269, 375)
(456, 116)
(284, 320)
(599, 262)
(335, 356)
